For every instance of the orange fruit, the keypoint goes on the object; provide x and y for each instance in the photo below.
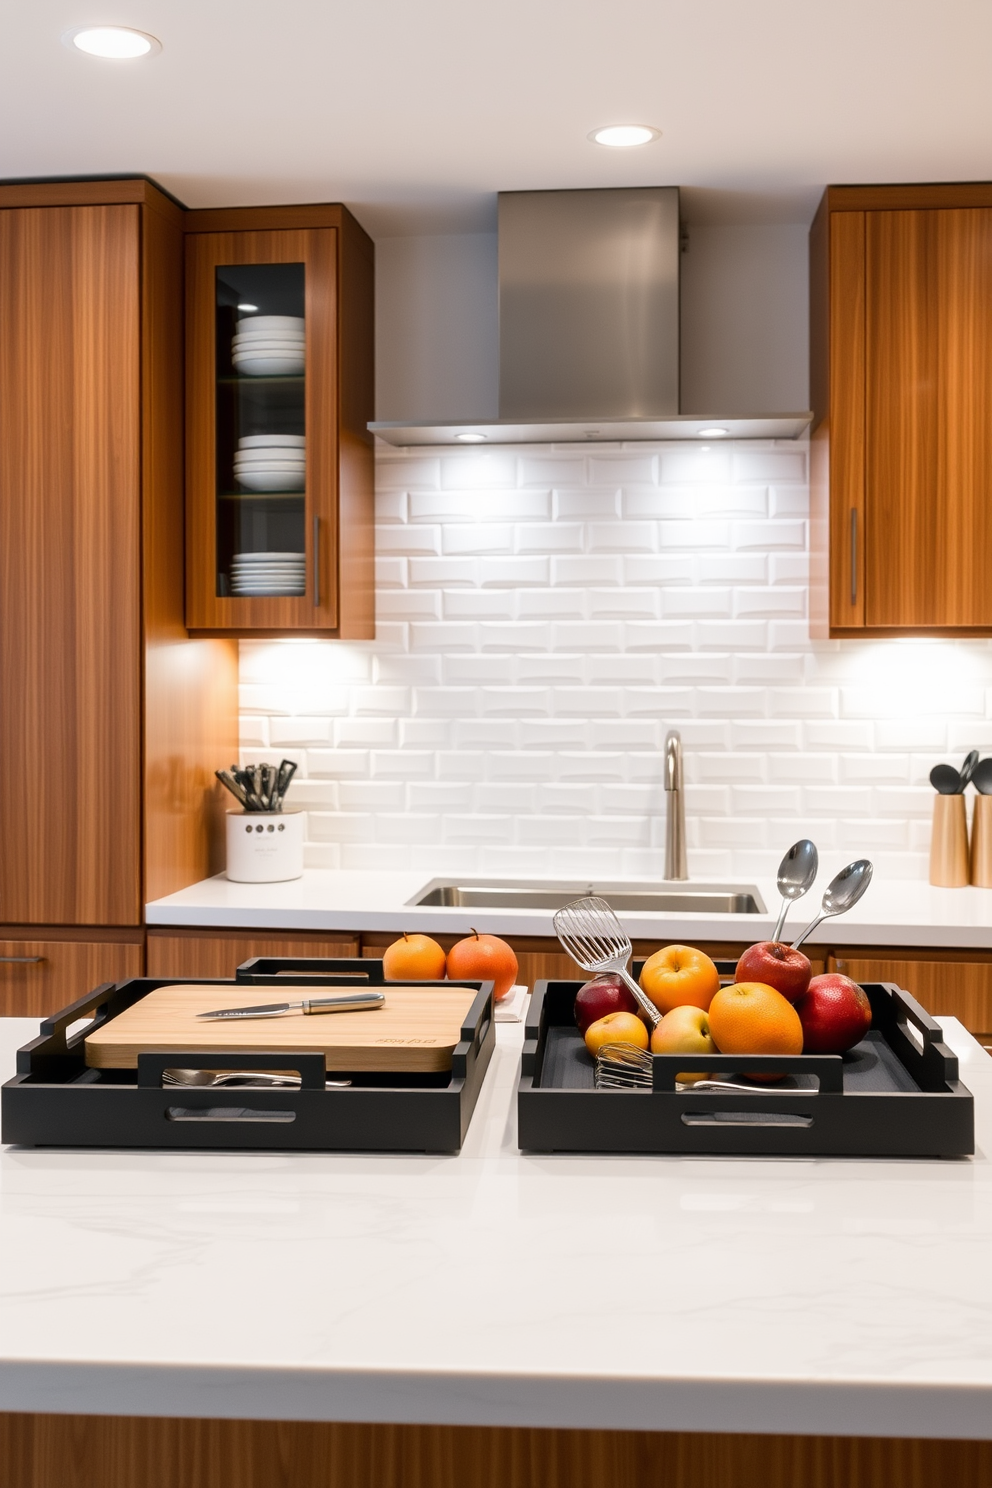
(484, 958)
(413, 958)
(752, 1018)
(616, 1028)
(679, 976)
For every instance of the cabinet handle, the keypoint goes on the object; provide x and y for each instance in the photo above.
(23, 960)
(316, 563)
(854, 556)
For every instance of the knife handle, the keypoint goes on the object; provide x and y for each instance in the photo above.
(344, 1004)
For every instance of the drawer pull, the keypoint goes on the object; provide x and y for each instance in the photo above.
(23, 960)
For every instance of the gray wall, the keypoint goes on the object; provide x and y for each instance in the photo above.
(744, 324)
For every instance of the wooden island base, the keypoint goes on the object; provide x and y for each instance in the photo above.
(40, 1451)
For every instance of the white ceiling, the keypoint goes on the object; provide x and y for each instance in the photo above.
(417, 114)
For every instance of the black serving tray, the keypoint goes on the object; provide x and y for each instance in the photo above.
(56, 1100)
(896, 1094)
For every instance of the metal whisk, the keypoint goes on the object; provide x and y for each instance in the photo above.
(593, 936)
(623, 1067)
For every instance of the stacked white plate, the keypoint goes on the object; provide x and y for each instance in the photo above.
(270, 346)
(271, 462)
(257, 574)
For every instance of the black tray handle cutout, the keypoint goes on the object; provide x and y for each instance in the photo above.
(475, 1026)
(311, 1067)
(828, 1069)
(267, 971)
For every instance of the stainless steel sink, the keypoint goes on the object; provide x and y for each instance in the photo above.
(489, 893)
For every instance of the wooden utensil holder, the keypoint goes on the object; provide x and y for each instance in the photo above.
(949, 843)
(981, 842)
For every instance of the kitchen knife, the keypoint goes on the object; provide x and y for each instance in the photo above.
(347, 1002)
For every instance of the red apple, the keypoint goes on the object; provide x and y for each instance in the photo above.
(776, 965)
(835, 1014)
(604, 994)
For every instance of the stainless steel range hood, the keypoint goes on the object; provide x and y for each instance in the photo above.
(589, 327)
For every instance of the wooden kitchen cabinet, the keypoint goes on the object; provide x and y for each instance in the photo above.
(901, 388)
(112, 720)
(280, 478)
(42, 972)
(218, 953)
(945, 982)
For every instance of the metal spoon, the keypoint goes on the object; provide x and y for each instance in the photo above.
(968, 768)
(842, 893)
(982, 777)
(945, 780)
(796, 873)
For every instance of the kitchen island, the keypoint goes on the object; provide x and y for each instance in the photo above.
(496, 1318)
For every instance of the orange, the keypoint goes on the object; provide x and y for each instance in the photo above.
(752, 1018)
(484, 958)
(413, 958)
(616, 1028)
(679, 976)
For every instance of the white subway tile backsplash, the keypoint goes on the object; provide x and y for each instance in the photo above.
(551, 537)
(545, 615)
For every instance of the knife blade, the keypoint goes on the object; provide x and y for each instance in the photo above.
(350, 1002)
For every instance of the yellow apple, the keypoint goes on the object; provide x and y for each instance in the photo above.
(685, 1030)
(616, 1028)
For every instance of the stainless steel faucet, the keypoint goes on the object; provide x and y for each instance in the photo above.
(676, 866)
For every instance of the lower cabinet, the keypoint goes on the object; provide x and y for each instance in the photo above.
(41, 976)
(218, 953)
(955, 988)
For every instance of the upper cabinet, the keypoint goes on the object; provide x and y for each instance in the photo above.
(114, 719)
(901, 386)
(279, 390)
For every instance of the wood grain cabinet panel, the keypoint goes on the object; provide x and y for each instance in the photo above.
(217, 953)
(112, 720)
(124, 1452)
(958, 989)
(38, 977)
(70, 724)
(901, 384)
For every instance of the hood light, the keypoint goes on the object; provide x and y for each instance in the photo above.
(713, 433)
(624, 136)
(118, 42)
(471, 438)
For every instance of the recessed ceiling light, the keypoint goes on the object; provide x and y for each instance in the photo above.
(624, 136)
(471, 438)
(713, 433)
(119, 42)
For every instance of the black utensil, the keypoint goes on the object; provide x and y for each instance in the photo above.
(286, 772)
(981, 777)
(945, 780)
(968, 768)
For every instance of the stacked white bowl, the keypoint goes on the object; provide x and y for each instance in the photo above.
(270, 346)
(271, 462)
(257, 574)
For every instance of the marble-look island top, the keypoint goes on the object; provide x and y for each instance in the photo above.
(836, 1297)
(892, 912)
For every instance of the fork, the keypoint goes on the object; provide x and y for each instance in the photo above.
(590, 932)
(239, 1077)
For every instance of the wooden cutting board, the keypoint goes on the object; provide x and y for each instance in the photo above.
(417, 1029)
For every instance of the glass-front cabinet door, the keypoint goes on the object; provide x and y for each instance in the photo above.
(263, 462)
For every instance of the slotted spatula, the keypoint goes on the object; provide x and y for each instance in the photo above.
(593, 936)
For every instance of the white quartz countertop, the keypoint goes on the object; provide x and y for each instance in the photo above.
(839, 1297)
(894, 913)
